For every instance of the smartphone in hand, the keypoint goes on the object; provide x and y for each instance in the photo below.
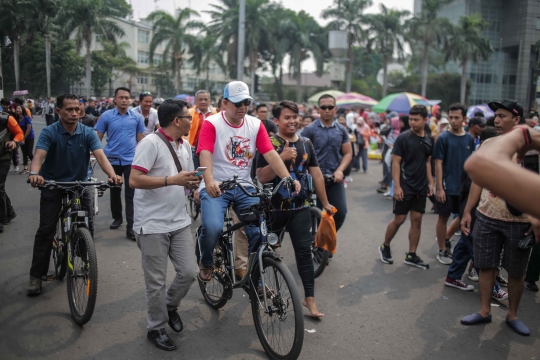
(200, 170)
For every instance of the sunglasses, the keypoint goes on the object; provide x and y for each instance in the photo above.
(146, 93)
(245, 102)
(329, 107)
(189, 117)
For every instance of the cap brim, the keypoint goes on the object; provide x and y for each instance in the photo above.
(239, 98)
(495, 105)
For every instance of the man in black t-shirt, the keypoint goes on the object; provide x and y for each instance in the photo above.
(262, 114)
(413, 183)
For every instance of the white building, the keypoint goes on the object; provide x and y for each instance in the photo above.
(138, 35)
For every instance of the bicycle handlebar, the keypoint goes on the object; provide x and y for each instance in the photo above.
(51, 184)
(230, 184)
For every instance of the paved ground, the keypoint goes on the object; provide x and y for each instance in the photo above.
(373, 311)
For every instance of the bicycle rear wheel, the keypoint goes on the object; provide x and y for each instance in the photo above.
(82, 276)
(59, 254)
(280, 327)
(194, 208)
(320, 256)
(217, 291)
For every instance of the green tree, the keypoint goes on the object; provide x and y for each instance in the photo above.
(429, 31)
(348, 15)
(111, 57)
(88, 18)
(14, 16)
(306, 37)
(205, 50)
(387, 29)
(468, 44)
(173, 32)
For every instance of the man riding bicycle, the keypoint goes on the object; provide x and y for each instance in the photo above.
(62, 154)
(227, 145)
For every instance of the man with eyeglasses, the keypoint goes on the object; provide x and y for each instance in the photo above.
(227, 145)
(124, 128)
(334, 153)
(149, 114)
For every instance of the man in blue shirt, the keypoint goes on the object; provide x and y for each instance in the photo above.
(62, 154)
(452, 148)
(124, 128)
(334, 153)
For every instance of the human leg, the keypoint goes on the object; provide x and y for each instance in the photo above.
(440, 230)
(212, 213)
(463, 252)
(5, 204)
(486, 281)
(129, 192)
(336, 196)
(415, 230)
(393, 227)
(533, 269)
(116, 193)
(240, 246)
(241, 202)
(364, 155)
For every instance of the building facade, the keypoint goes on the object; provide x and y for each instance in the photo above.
(513, 32)
(138, 34)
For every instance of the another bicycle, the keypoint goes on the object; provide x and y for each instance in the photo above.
(73, 248)
(275, 303)
(193, 206)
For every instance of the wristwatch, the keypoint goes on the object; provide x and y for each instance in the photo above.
(33, 173)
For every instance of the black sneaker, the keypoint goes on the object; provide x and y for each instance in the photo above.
(448, 245)
(386, 254)
(9, 218)
(531, 285)
(414, 260)
(502, 281)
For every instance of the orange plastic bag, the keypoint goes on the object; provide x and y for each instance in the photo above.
(326, 237)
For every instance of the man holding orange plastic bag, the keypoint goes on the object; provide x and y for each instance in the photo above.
(326, 237)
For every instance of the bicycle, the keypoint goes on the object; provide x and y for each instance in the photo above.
(194, 207)
(94, 190)
(73, 248)
(275, 303)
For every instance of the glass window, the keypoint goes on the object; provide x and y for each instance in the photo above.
(191, 82)
(143, 36)
(142, 57)
(158, 59)
(142, 79)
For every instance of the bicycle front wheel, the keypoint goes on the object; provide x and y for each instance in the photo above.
(194, 208)
(280, 325)
(82, 276)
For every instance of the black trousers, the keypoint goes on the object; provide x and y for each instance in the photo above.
(298, 224)
(27, 151)
(49, 119)
(116, 196)
(337, 197)
(49, 208)
(5, 203)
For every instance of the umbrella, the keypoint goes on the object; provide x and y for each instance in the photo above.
(484, 108)
(353, 99)
(400, 102)
(182, 96)
(314, 99)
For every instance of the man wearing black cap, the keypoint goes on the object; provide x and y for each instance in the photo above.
(476, 125)
(498, 226)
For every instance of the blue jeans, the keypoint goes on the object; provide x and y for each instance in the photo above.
(463, 253)
(212, 214)
(363, 154)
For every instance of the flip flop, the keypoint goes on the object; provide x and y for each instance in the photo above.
(475, 318)
(519, 327)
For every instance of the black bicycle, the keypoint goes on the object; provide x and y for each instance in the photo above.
(193, 207)
(275, 303)
(73, 248)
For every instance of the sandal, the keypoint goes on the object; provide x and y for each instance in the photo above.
(25, 171)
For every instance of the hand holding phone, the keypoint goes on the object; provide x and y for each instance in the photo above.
(200, 170)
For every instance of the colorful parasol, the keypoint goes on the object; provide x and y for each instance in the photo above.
(354, 99)
(314, 99)
(400, 102)
(483, 108)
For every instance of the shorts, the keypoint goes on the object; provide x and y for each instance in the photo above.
(490, 236)
(416, 203)
(449, 207)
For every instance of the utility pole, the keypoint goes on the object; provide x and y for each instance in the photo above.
(241, 41)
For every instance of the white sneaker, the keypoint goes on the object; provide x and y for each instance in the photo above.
(349, 179)
(473, 275)
(443, 257)
(457, 233)
(15, 169)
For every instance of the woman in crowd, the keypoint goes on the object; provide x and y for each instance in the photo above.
(27, 144)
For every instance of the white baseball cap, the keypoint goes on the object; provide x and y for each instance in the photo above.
(236, 91)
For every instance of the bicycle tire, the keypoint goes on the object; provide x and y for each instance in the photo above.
(194, 209)
(218, 291)
(59, 254)
(82, 278)
(319, 256)
(281, 288)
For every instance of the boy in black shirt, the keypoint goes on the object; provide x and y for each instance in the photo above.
(413, 183)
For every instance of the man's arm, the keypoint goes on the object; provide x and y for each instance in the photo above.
(441, 195)
(275, 162)
(320, 188)
(346, 150)
(35, 167)
(106, 166)
(141, 180)
(139, 136)
(396, 176)
(212, 187)
(474, 197)
(429, 176)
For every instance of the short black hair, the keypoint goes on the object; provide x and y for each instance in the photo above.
(261, 105)
(285, 104)
(458, 106)
(487, 133)
(219, 102)
(61, 98)
(4, 101)
(419, 110)
(170, 109)
(143, 95)
(121, 88)
(479, 114)
(308, 116)
(326, 96)
(490, 122)
(405, 120)
(18, 101)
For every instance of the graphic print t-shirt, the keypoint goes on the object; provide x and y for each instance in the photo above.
(233, 147)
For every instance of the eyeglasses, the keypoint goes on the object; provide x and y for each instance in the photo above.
(189, 117)
(245, 102)
(329, 107)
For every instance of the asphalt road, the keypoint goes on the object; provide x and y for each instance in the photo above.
(372, 310)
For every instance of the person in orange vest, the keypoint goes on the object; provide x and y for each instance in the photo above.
(199, 113)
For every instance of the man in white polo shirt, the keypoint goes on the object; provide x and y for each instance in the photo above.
(227, 145)
(161, 223)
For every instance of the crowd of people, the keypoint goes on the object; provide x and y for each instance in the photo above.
(158, 148)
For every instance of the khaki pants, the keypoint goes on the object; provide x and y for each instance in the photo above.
(240, 245)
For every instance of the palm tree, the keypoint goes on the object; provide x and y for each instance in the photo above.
(14, 24)
(428, 30)
(117, 56)
(204, 51)
(348, 14)
(387, 28)
(468, 44)
(43, 22)
(88, 18)
(173, 31)
(306, 37)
